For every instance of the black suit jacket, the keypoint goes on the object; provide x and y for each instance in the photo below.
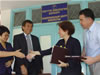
(19, 42)
(74, 48)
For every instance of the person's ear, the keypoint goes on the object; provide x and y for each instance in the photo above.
(88, 19)
(22, 28)
(66, 31)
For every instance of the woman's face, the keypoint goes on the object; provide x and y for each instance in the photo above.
(62, 33)
(4, 37)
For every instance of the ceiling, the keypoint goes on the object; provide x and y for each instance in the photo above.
(12, 4)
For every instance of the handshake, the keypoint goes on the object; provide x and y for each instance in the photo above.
(31, 55)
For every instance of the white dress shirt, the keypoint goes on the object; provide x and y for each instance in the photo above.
(92, 40)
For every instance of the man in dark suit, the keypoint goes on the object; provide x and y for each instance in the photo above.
(27, 43)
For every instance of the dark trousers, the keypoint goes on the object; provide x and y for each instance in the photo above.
(29, 73)
(32, 70)
(71, 71)
(6, 73)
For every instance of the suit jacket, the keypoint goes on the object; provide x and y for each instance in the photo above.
(19, 42)
(74, 48)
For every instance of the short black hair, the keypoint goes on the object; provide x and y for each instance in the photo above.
(67, 25)
(27, 21)
(87, 13)
(3, 29)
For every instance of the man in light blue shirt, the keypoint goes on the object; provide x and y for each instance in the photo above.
(91, 48)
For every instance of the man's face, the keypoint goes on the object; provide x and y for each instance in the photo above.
(84, 21)
(27, 28)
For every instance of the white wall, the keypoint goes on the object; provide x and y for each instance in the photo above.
(5, 17)
(98, 21)
(46, 45)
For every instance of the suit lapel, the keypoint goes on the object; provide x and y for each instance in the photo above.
(33, 43)
(24, 41)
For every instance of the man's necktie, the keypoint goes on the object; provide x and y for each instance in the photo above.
(29, 45)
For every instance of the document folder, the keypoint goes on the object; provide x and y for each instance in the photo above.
(59, 53)
(75, 57)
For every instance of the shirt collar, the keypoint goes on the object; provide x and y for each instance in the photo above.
(26, 34)
(92, 27)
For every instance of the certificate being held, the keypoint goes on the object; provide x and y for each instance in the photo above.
(59, 53)
(75, 57)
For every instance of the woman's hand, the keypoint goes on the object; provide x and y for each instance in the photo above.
(36, 53)
(62, 64)
(19, 54)
(8, 63)
(32, 54)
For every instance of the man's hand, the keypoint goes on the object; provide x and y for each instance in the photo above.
(89, 60)
(8, 63)
(62, 64)
(18, 54)
(24, 70)
(32, 54)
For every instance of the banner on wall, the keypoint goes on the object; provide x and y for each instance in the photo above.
(55, 12)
